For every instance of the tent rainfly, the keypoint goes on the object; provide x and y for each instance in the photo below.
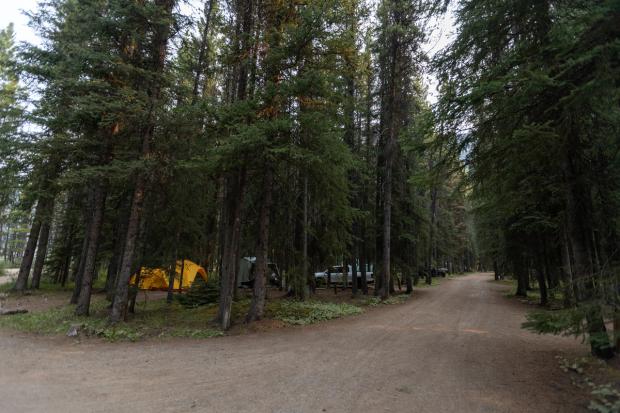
(157, 278)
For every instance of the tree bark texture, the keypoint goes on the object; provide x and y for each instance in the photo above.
(94, 233)
(257, 307)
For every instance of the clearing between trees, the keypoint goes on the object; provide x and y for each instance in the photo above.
(459, 347)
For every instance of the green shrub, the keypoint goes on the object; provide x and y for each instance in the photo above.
(200, 293)
(569, 322)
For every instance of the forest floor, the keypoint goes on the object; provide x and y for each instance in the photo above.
(457, 348)
(10, 274)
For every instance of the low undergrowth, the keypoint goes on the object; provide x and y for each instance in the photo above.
(394, 299)
(45, 286)
(308, 312)
(596, 377)
(158, 319)
(152, 319)
(434, 282)
(555, 297)
(155, 318)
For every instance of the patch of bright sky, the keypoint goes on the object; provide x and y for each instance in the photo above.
(441, 30)
(442, 33)
(11, 12)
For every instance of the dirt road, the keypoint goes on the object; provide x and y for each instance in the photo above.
(454, 348)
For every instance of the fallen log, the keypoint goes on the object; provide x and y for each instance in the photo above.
(6, 311)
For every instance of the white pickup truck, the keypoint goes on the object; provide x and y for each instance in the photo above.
(336, 275)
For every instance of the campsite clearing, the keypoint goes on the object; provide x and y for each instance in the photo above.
(50, 313)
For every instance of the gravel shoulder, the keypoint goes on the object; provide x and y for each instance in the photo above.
(455, 348)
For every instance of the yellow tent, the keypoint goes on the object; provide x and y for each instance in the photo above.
(157, 278)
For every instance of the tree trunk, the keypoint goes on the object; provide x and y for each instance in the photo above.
(431, 242)
(64, 274)
(202, 63)
(5, 249)
(78, 270)
(305, 273)
(616, 327)
(119, 303)
(133, 292)
(171, 277)
(387, 219)
(583, 270)
(542, 283)
(27, 258)
(94, 232)
(173, 271)
(354, 279)
(161, 33)
(409, 284)
(42, 249)
(522, 283)
(233, 209)
(567, 272)
(363, 264)
(120, 230)
(257, 307)
(137, 269)
(79, 267)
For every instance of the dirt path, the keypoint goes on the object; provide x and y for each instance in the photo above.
(454, 348)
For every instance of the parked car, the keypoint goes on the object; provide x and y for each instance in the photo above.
(439, 272)
(335, 275)
(247, 266)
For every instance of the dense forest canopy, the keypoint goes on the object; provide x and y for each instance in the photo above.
(139, 133)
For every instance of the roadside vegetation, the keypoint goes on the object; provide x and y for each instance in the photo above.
(156, 318)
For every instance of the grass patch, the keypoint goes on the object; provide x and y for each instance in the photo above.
(159, 319)
(555, 297)
(308, 312)
(394, 299)
(435, 281)
(152, 319)
(458, 274)
(52, 321)
(44, 286)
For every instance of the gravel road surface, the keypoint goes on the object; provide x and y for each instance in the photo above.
(457, 347)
